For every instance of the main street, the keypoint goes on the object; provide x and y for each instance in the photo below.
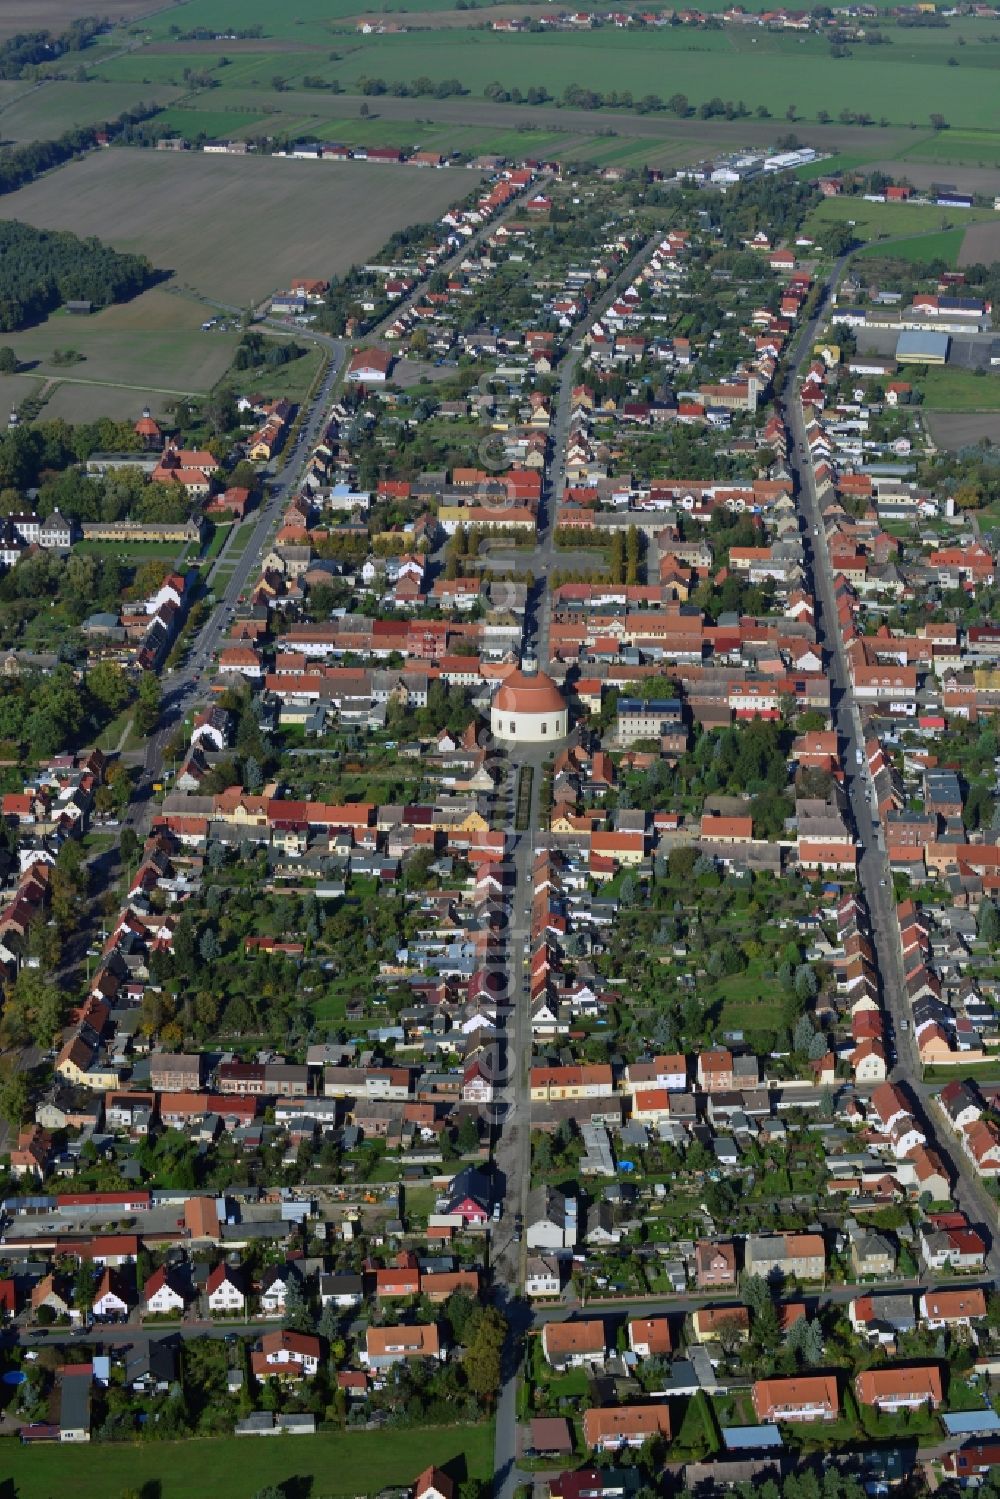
(874, 873)
(512, 1146)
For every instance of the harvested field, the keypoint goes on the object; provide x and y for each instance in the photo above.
(958, 431)
(56, 15)
(981, 244)
(85, 403)
(923, 174)
(152, 344)
(47, 110)
(231, 227)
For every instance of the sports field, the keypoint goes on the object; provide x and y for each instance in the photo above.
(235, 228)
(348, 1463)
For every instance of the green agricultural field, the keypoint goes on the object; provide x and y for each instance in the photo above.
(948, 389)
(329, 1464)
(922, 250)
(222, 123)
(963, 147)
(843, 161)
(873, 221)
(702, 65)
(919, 73)
(44, 112)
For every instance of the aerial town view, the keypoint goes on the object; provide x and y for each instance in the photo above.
(499, 750)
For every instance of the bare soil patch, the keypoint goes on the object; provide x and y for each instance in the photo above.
(981, 244)
(954, 431)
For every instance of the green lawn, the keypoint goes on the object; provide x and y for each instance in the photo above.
(347, 1463)
(948, 389)
(748, 1002)
(129, 551)
(945, 245)
(292, 379)
(217, 540)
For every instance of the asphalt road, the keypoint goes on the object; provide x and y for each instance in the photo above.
(512, 1148)
(873, 866)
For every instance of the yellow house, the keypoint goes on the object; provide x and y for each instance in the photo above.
(711, 1324)
(76, 1064)
(472, 822)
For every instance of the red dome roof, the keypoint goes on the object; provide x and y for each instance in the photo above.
(524, 693)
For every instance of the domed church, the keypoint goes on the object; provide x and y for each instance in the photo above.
(528, 708)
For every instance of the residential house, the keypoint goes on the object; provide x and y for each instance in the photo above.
(567, 1345)
(610, 1428)
(288, 1355)
(714, 1264)
(808, 1397)
(385, 1346)
(900, 1387)
(225, 1292)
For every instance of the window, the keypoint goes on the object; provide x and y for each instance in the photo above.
(513, 727)
(545, 728)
